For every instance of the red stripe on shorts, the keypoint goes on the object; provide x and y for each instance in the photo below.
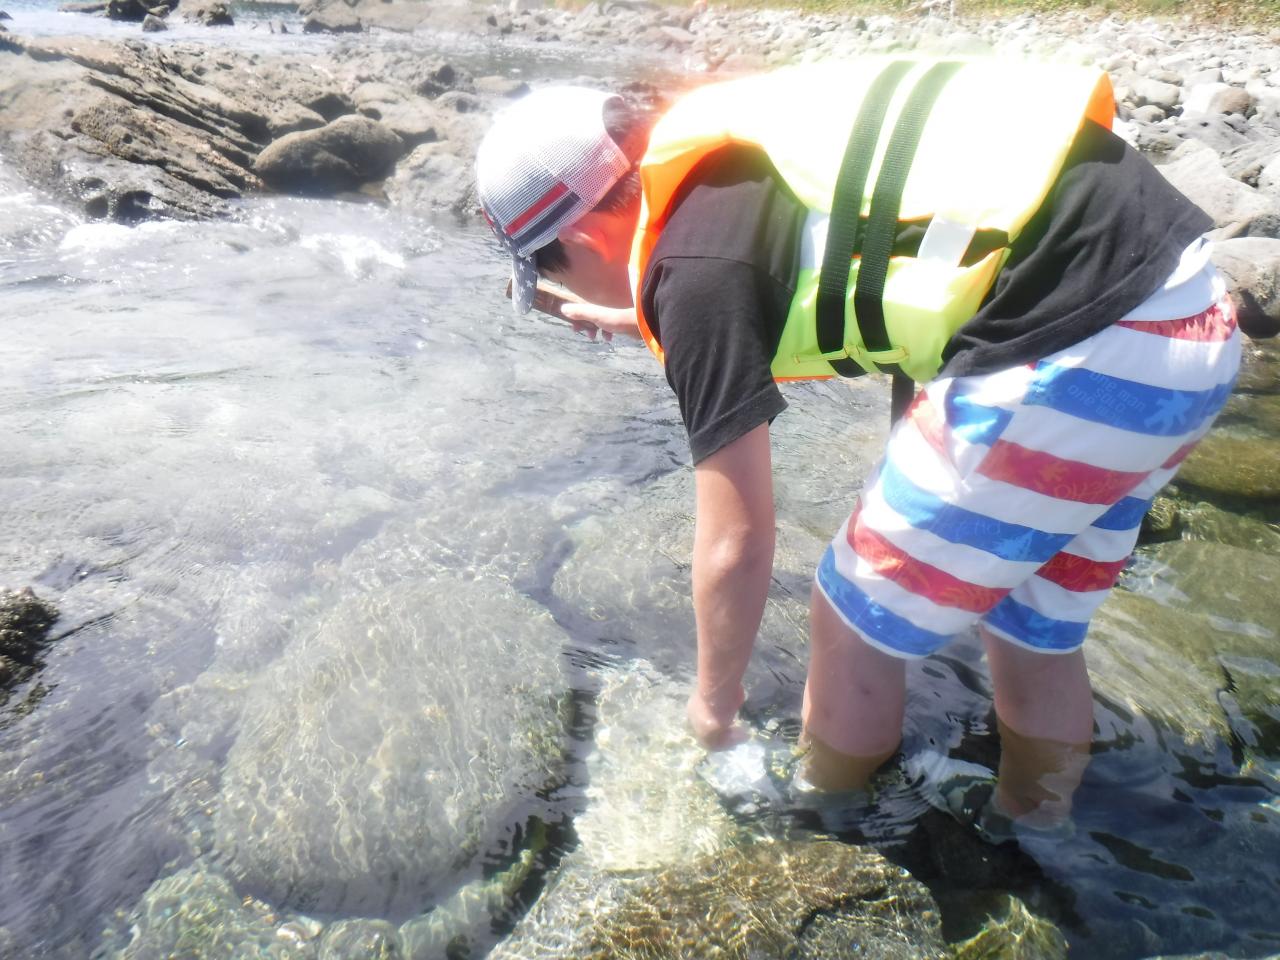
(1080, 574)
(1212, 326)
(926, 418)
(548, 198)
(1179, 455)
(918, 577)
(1055, 477)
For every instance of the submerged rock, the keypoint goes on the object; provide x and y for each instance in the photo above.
(25, 620)
(371, 939)
(1247, 468)
(1017, 934)
(197, 915)
(781, 899)
(647, 808)
(1162, 522)
(662, 872)
(1204, 521)
(1164, 655)
(382, 754)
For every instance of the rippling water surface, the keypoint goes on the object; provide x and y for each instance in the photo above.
(343, 551)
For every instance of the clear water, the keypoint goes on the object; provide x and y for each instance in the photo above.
(248, 458)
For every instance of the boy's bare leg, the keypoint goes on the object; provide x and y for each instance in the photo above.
(853, 702)
(1045, 707)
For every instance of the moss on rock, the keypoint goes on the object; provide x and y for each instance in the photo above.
(1247, 468)
(1016, 934)
(1163, 658)
(757, 901)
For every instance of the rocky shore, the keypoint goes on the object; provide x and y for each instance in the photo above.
(130, 129)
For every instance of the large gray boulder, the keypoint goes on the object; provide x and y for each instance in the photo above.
(1269, 177)
(1251, 266)
(341, 155)
(388, 750)
(435, 177)
(335, 18)
(1156, 93)
(209, 13)
(1216, 98)
(1196, 170)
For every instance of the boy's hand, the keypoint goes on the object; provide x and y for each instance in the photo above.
(713, 722)
(589, 319)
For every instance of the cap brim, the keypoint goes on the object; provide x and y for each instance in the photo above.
(524, 283)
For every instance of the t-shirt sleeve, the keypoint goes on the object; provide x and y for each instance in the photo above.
(718, 319)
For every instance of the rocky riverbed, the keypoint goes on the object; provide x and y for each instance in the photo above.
(342, 487)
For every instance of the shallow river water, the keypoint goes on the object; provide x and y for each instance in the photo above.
(345, 555)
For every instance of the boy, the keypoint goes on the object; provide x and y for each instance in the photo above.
(972, 227)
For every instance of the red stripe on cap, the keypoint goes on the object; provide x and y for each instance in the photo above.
(548, 198)
(1213, 326)
(918, 577)
(1080, 574)
(1055, 477)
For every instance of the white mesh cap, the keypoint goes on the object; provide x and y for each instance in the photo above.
(545, 162)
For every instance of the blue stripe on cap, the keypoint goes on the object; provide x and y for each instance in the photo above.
(547, 220)
(880, 624)
(1137, 407)
(1035, 629)
(1125, 515)
(926, 511)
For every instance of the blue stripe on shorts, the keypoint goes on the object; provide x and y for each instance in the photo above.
(1125, 515)
(975, 422)
(926, 511)
(1020, 621)
(1137, 407)
(880, 625)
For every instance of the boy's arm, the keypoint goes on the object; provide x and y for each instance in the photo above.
(732, 566)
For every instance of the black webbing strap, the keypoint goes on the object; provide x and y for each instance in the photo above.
(882, 227)
(886, 202)
(904, 391)
(846, 208)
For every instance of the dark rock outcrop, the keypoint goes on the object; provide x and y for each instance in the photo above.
(1252, 268)
(342, 155)
(25, 620)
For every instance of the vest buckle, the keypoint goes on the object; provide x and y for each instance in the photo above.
(881, 357)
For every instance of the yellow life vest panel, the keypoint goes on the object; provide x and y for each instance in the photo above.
(987, 152)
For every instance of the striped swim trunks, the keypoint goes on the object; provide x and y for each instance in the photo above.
(1014, 498)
